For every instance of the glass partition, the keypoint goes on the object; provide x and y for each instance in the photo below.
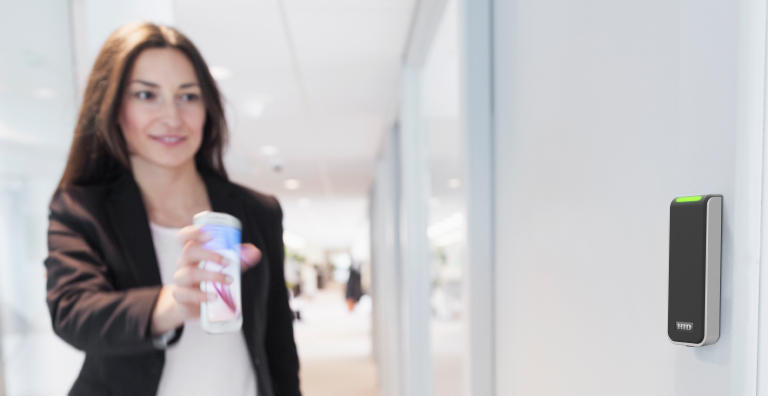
(446, 224)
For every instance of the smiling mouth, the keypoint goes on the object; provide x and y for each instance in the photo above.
(169, 139)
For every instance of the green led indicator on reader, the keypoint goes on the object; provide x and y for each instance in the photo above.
(689, 199)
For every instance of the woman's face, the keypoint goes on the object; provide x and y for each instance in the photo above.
(162, 113)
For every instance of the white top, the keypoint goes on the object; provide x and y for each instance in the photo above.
(200, 363)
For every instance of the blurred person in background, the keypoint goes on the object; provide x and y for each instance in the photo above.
(123, 276)
(354, 286)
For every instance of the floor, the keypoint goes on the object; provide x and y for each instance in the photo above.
(335, 347)
(342, 377)
(447, 346)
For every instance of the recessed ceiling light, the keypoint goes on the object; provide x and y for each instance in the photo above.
(304, 203)
(269, 150)
(253, 109)
(220, 73)
(254, 105)
(454, 183)
(292, 184)
(44, 93)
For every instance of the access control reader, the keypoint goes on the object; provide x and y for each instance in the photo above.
(695, 229)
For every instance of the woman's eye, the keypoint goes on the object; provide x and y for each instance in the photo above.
(145, 95)
(190, 97)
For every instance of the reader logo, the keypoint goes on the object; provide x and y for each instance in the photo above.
(684, 326)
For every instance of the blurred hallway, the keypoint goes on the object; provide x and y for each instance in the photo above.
(335, 346)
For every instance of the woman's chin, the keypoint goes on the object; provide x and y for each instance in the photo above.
(164, 163)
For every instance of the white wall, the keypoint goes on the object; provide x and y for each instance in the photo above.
(604, 112)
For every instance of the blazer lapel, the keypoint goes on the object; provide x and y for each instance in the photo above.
(221, 195)
(128, 216)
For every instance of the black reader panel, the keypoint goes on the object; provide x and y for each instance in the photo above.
(694, 270)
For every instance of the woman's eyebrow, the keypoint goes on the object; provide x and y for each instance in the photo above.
(145, 83)
(151, 84)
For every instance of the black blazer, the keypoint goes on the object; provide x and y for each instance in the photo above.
(104, 281)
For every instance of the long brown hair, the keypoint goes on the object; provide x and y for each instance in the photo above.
(99, 152)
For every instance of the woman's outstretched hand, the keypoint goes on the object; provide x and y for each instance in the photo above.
(181, 300)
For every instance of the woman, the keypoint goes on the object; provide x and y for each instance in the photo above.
(123, 281)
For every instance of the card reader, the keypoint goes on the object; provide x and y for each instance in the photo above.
(695, 244)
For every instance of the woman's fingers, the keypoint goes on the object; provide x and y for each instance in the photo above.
(186, 295)
(192, 233)
(191, 276)
(193, 253)
(250, 255)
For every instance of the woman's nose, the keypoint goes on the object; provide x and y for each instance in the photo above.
(171, 115)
